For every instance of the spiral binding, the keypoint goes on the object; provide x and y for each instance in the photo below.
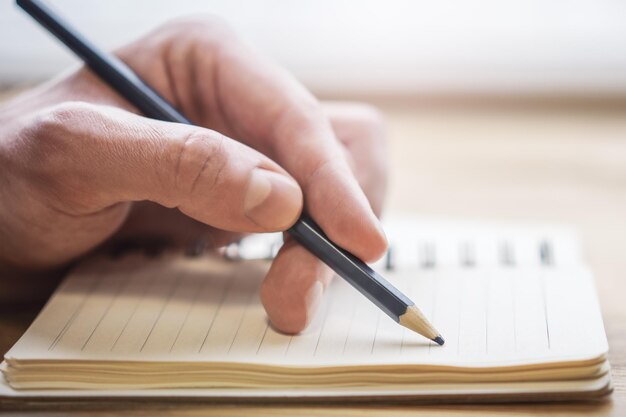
(266, 247)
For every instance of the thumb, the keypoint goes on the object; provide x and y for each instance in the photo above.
(99, 156)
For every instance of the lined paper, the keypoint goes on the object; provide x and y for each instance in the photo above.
(491, 309)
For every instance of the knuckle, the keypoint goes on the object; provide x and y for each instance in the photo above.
(50, 144)
(376, 120)
(206, 29)
(54, 123)
(370, 114)
(300, 116)
(371, 121)
(216, 161)
(201, 157)
(51, 134)
(324, 168)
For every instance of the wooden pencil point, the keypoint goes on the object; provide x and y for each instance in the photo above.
(414, 319)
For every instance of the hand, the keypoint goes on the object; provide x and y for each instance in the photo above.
(79, 166)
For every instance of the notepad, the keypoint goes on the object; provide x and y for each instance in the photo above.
(515, 304)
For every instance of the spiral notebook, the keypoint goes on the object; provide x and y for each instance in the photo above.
(515, 303)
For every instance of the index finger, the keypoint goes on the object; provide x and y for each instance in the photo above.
(274, 113)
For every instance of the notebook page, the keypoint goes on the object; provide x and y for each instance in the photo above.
(495, 293)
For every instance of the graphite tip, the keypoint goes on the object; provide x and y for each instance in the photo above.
(439, 340)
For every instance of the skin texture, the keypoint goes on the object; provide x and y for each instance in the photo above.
(79, 167)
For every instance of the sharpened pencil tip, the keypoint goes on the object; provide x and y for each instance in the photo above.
(439, 340)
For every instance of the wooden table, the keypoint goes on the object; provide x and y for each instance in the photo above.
(545, 162)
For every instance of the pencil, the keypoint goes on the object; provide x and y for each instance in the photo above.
(128, 84)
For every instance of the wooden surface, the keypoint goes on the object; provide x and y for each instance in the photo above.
(547, 163)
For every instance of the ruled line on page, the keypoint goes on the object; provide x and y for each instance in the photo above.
(484, 312)
(200, 289)
(217, 311)
(67, 325)
(171, 291)
(121, 286)
(241, 320)
(134, 310)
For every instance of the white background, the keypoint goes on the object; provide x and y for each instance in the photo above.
(372, 46)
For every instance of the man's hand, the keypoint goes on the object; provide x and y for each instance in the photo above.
(78, 166)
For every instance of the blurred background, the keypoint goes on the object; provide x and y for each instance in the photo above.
(495, 109)
(372, 47)
(509, 110)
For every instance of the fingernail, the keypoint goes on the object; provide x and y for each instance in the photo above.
(313, 300)
(273, 201)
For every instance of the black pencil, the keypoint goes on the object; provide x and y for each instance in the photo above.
(123, 80)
